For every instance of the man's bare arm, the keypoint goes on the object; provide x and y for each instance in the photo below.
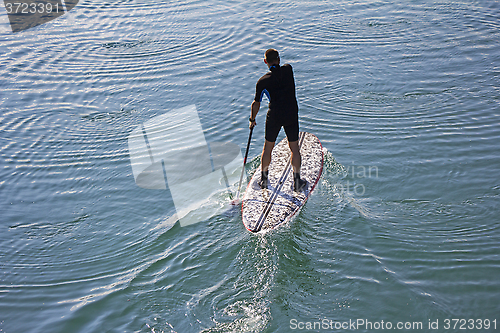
(255, 109)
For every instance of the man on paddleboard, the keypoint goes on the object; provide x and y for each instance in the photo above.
(279, 86)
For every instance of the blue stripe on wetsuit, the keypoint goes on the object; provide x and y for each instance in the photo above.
(262, 95)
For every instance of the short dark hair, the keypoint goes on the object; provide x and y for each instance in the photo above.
(271, 55)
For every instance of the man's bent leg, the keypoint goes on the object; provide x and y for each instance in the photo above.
(265, 161)
(296, 159)
(266, 155)
(298, 184)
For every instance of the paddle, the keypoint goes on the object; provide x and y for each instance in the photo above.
(235, 201)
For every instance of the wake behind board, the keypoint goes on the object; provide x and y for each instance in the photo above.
(264, 209)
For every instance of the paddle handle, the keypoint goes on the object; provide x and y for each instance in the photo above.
(244, 162)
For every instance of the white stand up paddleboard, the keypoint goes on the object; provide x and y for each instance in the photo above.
(264, 209)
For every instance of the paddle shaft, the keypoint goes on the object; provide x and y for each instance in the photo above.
(244, 163)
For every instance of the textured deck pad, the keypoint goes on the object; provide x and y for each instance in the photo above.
(264, 209)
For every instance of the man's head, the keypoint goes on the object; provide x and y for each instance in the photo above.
(272, 57)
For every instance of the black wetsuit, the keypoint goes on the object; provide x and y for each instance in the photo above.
(279, 87)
